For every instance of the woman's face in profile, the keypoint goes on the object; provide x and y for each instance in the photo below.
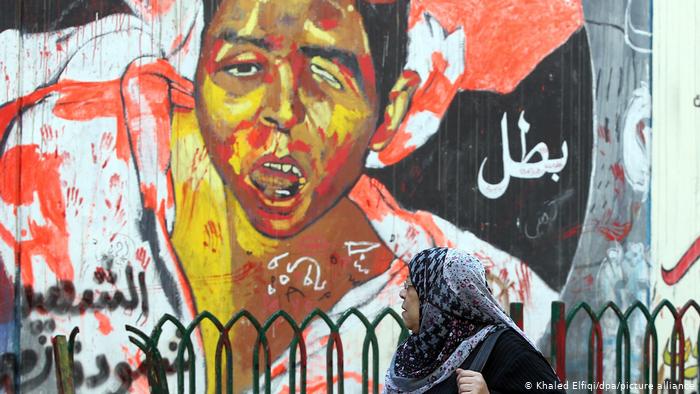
(410, 306)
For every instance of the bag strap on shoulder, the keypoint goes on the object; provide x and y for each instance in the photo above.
(482, 356)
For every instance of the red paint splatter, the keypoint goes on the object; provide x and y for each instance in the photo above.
(328, 23)
(618, 172)
(104, 325)
(37, 177)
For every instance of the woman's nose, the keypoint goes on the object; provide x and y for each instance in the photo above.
(402, 294)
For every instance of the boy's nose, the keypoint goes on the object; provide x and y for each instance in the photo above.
(283, 109)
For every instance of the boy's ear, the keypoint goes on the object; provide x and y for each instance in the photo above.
(399, 101)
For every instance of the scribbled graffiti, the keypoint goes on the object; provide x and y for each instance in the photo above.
(186, 156)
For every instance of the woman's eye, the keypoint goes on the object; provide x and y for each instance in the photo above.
(326, 76)
(244, 69)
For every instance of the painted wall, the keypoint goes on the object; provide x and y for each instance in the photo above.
(297, 157)
(675, 246)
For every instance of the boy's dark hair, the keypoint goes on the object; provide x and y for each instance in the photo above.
(386, 26)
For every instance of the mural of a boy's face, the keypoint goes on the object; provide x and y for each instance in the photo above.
(287, 106)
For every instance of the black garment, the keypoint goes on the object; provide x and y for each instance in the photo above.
(513, 363)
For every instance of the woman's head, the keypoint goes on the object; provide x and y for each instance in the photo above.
(448, 280)
(410, 306)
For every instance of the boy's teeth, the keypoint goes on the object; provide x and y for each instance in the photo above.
(286, 168)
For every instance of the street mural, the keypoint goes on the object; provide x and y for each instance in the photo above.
(181, 156)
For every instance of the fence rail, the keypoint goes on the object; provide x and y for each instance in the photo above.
(561, 320)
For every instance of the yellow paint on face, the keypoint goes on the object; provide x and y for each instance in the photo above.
(286, 79)
(252, 20)
(223, 51)
(344, 121)
(319, 34)
(228, 109)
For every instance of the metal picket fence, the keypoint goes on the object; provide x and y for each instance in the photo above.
(561, 320)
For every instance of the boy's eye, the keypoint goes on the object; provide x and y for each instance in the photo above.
(244, 69)
(326, 76)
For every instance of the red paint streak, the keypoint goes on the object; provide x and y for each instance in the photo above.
(105, 326)
(618, 172)
(604, 133)
(259, 136)
(616, 232)
(524, 276)
(333, 167)
(640, 131)
(210, 64)
(38, 177)
(299, 146)
(243, 272)
(150, 196)
(275, 41)
(689, 258)
(572, 232)
(328, 23)
(367, 69)
(268, 78)
(88, 100)
(279, 369)
(177, 42)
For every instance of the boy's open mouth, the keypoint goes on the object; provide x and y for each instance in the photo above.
(278, 178)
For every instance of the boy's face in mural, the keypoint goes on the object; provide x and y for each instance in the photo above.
(288, 106)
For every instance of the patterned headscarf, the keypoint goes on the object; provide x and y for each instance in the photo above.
(457, 311)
